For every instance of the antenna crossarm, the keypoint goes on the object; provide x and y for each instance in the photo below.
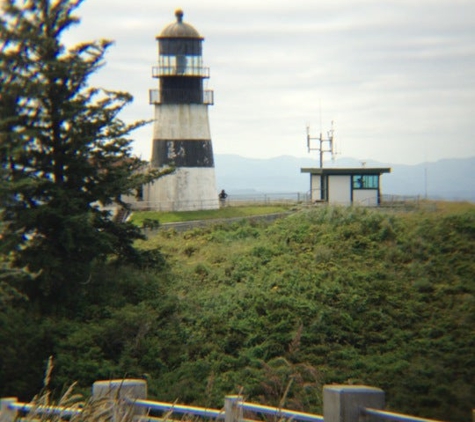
(320, 143)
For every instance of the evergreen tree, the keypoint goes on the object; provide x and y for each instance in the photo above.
(64, 152)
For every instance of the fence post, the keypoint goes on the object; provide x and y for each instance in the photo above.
(232, 409)
(7, 414)
(120, 393)
(343, 403)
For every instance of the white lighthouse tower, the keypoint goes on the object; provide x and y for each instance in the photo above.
(181, 133)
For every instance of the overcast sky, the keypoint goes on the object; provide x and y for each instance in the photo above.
(397, 77)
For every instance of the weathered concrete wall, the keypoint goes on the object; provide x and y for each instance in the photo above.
(181, 121)
(185, 190)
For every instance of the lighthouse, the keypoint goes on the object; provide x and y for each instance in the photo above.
(181, 131)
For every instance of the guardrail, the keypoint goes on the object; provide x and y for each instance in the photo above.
(231, 200)
(341, 403)
(268, 198)
(391, 416)
(233, 409)
(279, 413)
(201, 412)
(10, 408)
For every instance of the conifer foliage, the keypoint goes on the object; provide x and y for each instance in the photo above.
(64, 152)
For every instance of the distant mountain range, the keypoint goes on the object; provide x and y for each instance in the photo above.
(450, 179)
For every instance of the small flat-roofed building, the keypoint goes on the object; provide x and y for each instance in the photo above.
(346, 186)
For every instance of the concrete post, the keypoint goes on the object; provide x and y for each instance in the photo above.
(116, 395)
(342, 403)
(232, 410)
(7, 414)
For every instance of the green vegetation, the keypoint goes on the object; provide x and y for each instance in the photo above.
(138, 217)
(275, 310)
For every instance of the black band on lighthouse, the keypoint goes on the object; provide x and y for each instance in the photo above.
(183, 153)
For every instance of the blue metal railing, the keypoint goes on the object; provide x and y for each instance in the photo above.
(219, 414)
(179, 408)
(391, 416)
(202, 412)
(276, 411)
(49, 410)
(11, 405)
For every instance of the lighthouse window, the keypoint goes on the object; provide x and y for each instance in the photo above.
(170, 47)
(180, 64)
(365, 181)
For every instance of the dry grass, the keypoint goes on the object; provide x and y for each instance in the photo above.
(447, 207)
(74, 407)
(109, 407)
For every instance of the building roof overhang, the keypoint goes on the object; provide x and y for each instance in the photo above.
(345, 171)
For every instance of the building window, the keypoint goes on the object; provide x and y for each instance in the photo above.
(365, 181)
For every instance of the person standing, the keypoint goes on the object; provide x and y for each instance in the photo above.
(222, 197)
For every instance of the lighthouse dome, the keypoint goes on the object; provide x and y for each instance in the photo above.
(179, 29)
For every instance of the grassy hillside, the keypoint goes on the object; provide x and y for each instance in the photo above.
(324, 296)
(275, 311)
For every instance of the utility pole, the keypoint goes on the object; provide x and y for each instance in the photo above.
(328, 142)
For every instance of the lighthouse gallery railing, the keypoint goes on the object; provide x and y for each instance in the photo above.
(177, 70)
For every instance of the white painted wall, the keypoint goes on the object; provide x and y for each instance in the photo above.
(186, 189)
(365, 197)
(184, 121)
(315, 186)
(339, 190)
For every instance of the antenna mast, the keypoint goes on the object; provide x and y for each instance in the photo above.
(320, 143)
